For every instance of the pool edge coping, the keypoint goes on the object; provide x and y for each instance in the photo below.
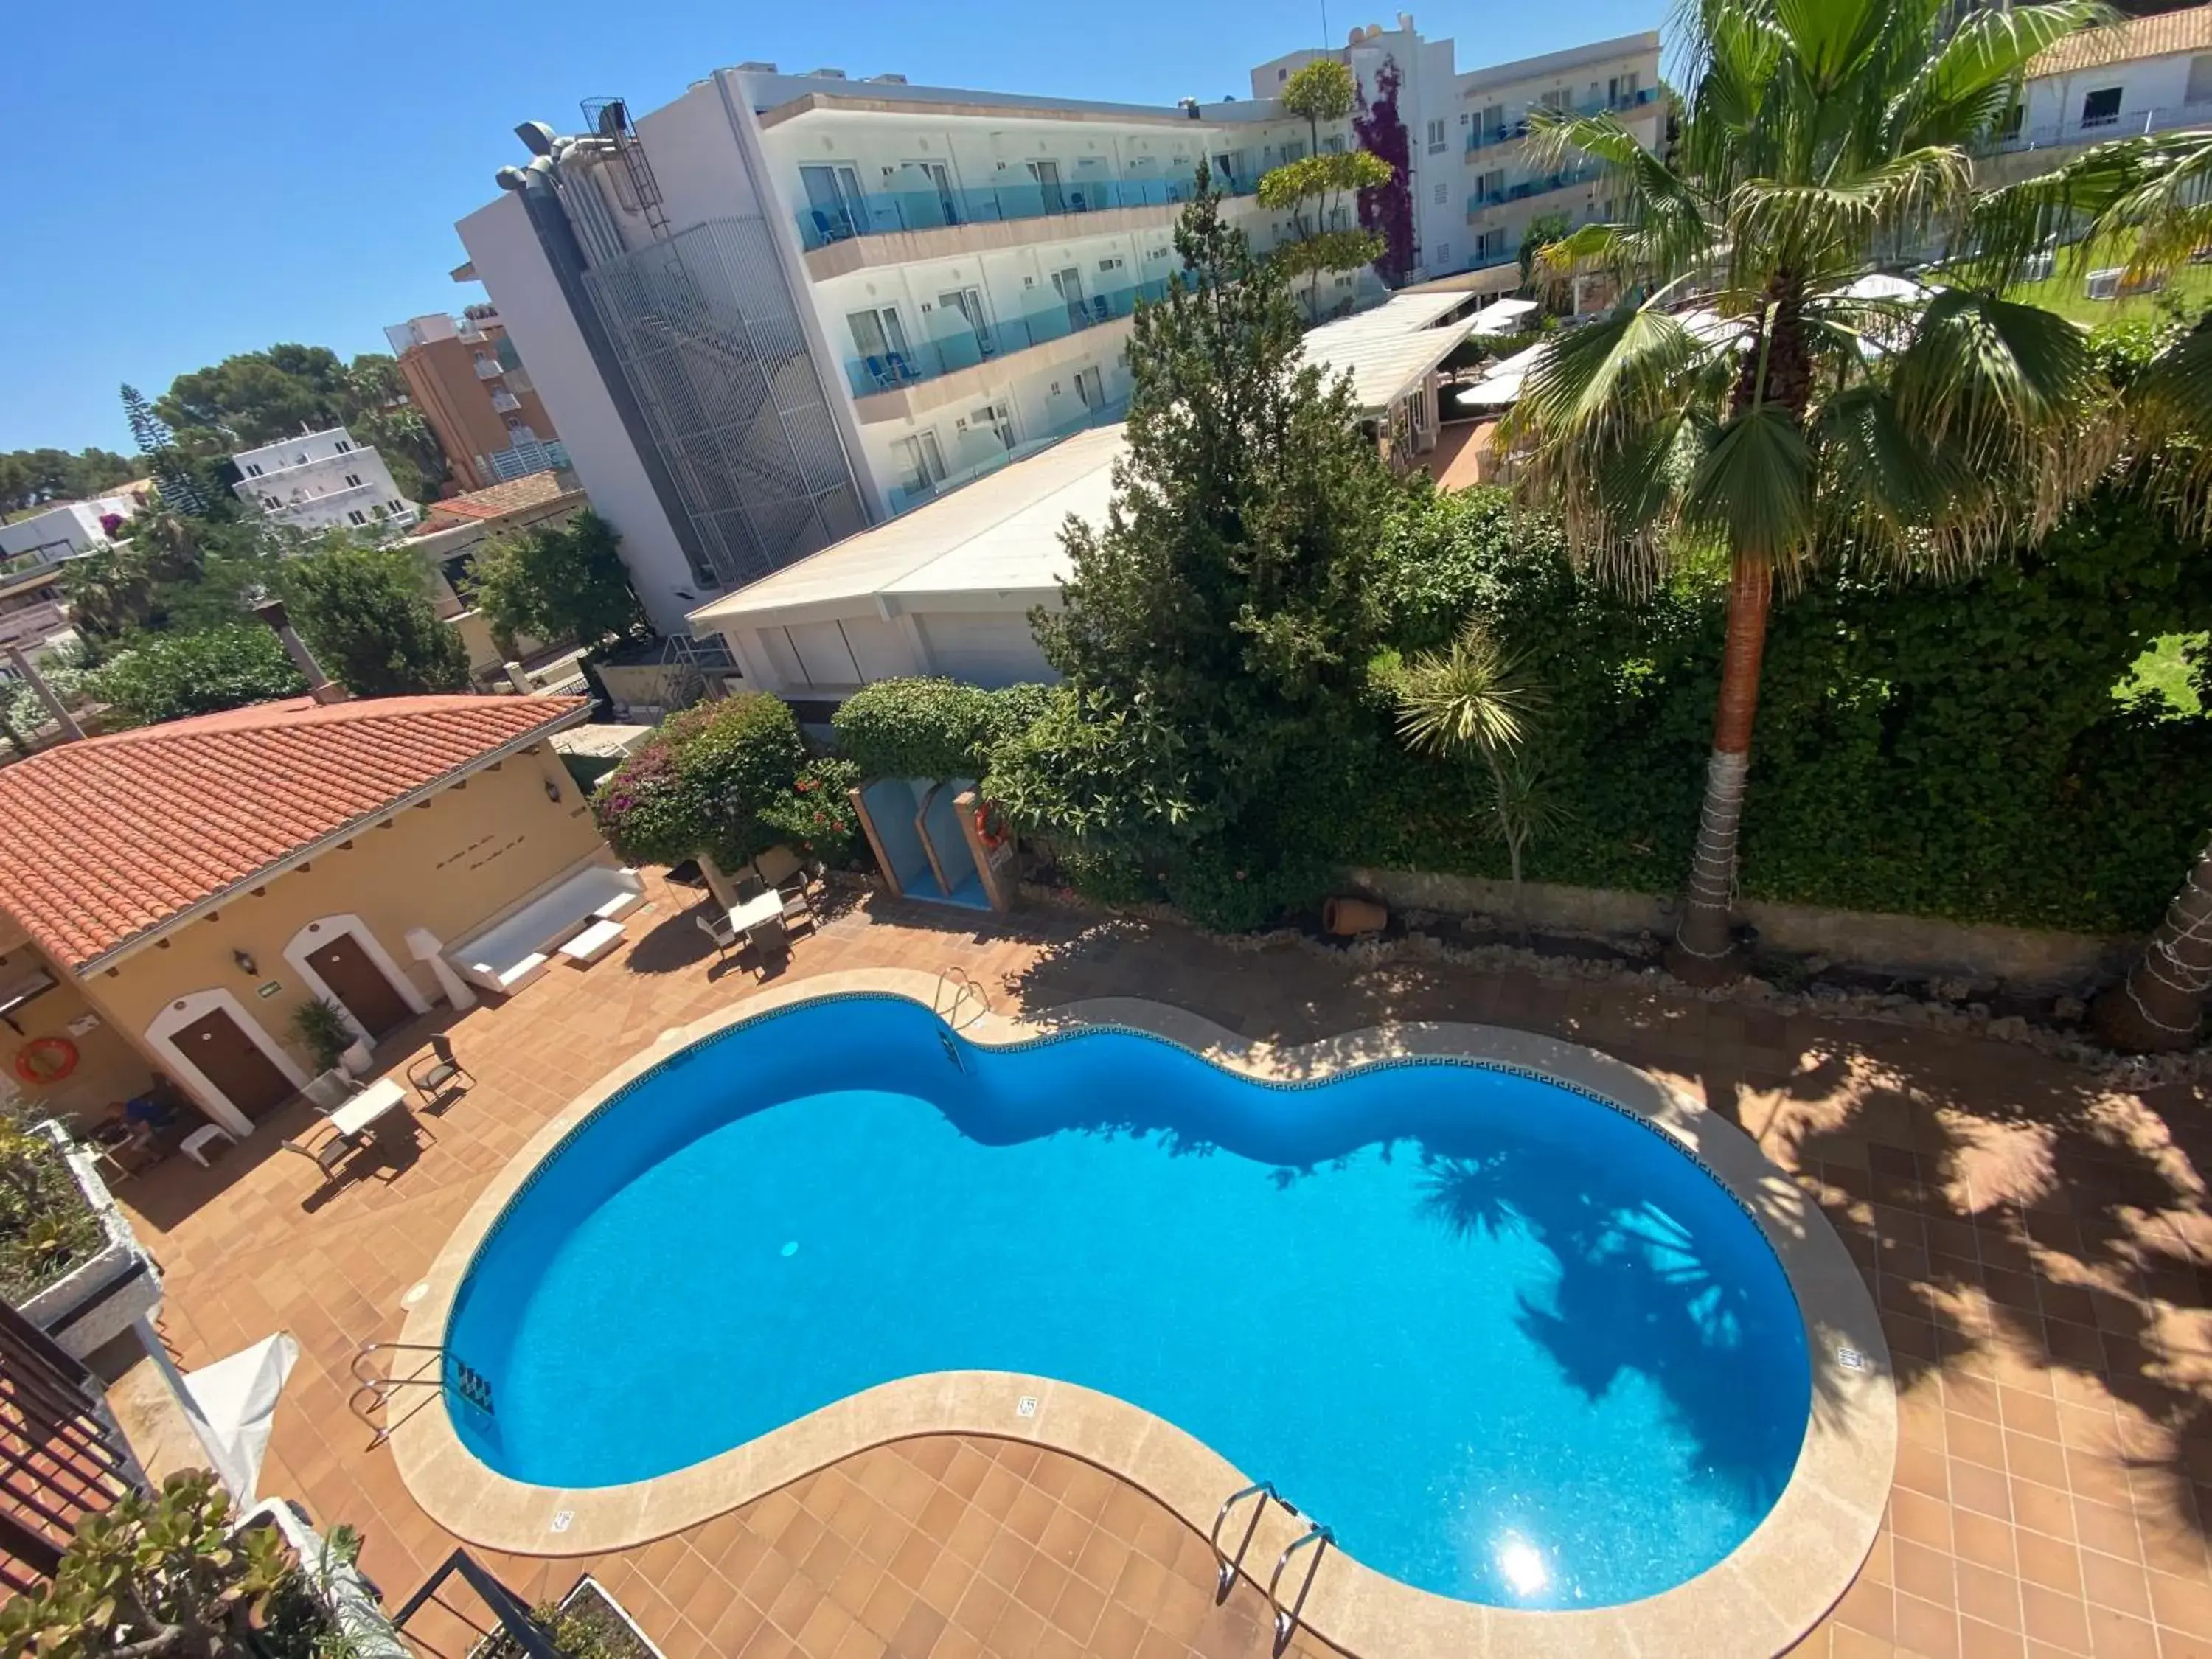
(1770, 1589)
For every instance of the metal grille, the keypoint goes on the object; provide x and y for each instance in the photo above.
(707, 336)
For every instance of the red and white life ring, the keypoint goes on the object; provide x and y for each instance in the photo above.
(990, 826)
(46, 1060)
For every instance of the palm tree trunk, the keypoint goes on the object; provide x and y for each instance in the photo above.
(2158, 1006)
(1703, 939)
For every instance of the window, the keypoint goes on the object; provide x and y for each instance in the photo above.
(1489, 245)
(1294, 150)
(1443, 253)
(881, 339)
(354, 515)
(1091, 386)
(920, 463)
(1620, 91)
(1491, 186)
(2199, 90)
(1442, 191)
(397, 505)
(1282, 75)
(353, 481)
(252, 470)
(270, 502)
(1436, 137)
(2101, 107)
(2009, 123)
(342, 445)
(1334, 143)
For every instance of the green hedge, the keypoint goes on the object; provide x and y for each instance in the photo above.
(929, 728)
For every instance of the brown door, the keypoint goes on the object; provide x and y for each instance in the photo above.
(360, 984)
(227, 1058)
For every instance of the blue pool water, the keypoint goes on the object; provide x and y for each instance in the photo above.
(1508, 1342)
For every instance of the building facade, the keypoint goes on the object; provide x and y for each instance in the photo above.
(2147, 75)
(784, 307)
(33, 550)
(466, 380)
(322, 481)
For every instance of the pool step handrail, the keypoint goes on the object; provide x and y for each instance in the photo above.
(1225, 1562)
(964, 986)
(1286, 1618)
(373, 1390)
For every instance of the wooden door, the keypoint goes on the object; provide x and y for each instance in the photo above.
(229, 1059)
(360, 984)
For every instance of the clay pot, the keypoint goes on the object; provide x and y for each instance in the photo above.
(1347, 917)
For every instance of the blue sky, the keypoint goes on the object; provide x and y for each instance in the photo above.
(191, 180)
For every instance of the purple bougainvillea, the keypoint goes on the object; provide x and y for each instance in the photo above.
(1388, 210)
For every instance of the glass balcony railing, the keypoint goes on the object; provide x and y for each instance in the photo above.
(1482, 138)
(959, 346)
(881, 212)
(1543, 185)
(905, 497)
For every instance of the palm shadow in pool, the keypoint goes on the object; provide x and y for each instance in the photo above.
(1633, 1298)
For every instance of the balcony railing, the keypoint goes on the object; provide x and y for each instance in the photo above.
(1544, 184)
(904, 498)
(505, 401)
(489, 368)
(52, 553)
(2133, 123)
(961, 346)
(881, 212)
(1481, 137)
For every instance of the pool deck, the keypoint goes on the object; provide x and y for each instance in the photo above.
(2037, 1244)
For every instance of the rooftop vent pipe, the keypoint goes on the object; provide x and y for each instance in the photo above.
(321, 686)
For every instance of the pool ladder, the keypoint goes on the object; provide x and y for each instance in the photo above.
(377, 1379)
(964, 986)
(1316, 1537)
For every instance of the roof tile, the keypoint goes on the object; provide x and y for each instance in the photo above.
(2187, 30)
(103, 841)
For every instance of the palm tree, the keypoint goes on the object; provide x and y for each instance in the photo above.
(1774, 401)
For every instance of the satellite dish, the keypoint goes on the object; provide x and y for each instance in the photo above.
(537, 137)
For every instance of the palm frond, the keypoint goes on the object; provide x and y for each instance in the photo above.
(1975, 74)
(1471, 698)
(1751, 488)
(1812, 225)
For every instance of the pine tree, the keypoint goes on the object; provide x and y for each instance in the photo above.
(181, 488)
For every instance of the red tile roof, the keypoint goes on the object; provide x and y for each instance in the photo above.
(531, 489)
(102, 841)
(2186, 30)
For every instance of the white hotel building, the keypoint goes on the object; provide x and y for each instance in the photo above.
(322, 481)
(784, 307)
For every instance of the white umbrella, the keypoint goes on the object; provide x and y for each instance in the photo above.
(1501, 385)
(233, 1402)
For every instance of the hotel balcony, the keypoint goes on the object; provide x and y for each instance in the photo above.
(1481, 200)
(1482, 138)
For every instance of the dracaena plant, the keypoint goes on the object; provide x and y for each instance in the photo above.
(1774, 398)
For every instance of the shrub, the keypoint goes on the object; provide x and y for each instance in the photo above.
(816, 817)
(45, 1226)
(701, 782)
(930, 728)
(367, 614)
(1229, 891)
(1113, 879)
(166, 677)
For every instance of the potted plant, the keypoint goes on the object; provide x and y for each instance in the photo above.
(69, 1261)
(327, 1036)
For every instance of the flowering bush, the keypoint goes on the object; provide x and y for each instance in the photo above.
(703, 782)
(816, 818)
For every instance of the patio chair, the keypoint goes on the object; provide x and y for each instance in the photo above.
(326, 1155)
(798, 908)
(717, 928)
(440, 1074)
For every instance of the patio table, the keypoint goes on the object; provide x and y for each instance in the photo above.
(756, 912)
(383, 1096)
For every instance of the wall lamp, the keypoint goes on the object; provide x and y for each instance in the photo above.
(246, 964)
(553, 789)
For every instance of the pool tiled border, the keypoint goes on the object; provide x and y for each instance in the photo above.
(1764, 1595)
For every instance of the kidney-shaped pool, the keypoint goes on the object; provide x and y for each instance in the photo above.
(1509, 1341)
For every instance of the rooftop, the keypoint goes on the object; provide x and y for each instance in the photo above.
(515, 496)
(106, 842)
(2187, 30)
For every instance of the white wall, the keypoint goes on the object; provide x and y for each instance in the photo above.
(984, 639)
(511, 264)
(71, 528)
(2152, 92)
(350, 488)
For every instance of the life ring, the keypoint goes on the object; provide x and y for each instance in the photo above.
(46, 1060)
(990, 826)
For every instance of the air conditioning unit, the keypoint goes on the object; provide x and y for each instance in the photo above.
(2105, 284)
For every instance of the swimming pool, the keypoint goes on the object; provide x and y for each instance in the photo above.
(1510, 1342)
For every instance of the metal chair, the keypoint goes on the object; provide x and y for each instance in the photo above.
(326, 1155)
(796, 906)
(440, 1074)
(717, 928)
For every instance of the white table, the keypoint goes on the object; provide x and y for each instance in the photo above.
(756, 912)
(383, 1096)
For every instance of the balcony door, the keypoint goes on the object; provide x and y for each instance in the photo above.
(1047, 174)
(963, 335)
(880, 339)
(1068, 284)
(833, 196)
(1091, 386)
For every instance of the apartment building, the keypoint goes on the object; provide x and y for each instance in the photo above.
(322, 481)
(33, 550)
(785, 307)
(466, 380)
(2142, 76)
(1505, 188)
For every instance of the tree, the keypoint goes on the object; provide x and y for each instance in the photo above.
(165, 676)
(1796, 421)
(558, 582)
(1544, 230)
(258, 396)
(1312, 190)
(1216, 630)
(182, 489)
(1387, 210)
(366, 613)
(30, 477)
(1473, 699)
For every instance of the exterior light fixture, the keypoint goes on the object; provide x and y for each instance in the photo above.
(246, 965)
(553, 790)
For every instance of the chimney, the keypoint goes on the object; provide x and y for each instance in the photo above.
(71, 732)
(321, 686)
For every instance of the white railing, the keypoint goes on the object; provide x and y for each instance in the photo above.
(2128, 124)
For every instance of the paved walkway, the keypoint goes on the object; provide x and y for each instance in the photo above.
(2036, 1243)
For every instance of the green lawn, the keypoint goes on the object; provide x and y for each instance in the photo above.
(2164, 669)
(2065, 293)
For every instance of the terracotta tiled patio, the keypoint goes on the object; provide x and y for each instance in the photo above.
(2039, 1245)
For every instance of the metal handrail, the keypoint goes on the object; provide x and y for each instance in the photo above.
(964, 984)
(1286, 1618)
(1224, 1564)
(379, 1389)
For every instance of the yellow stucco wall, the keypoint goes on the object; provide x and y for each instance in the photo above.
(473, 851)
(108, 1068)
